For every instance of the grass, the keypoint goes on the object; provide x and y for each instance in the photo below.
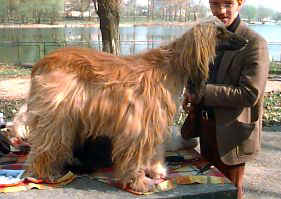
(275, 68)
(7, 71)
(272, 102)
(10, 107)
(272, 109)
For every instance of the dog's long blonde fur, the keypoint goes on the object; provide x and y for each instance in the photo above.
(79, 93)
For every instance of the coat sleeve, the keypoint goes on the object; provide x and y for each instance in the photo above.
(251, 82)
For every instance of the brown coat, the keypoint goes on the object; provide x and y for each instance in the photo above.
(237, 98)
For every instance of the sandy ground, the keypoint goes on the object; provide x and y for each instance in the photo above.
(14, 88)
(263, 175)
(18, 88)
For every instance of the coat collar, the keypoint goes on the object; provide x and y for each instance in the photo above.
(229, 55)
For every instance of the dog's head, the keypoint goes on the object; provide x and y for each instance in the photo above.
(208, 37)
(227, 40)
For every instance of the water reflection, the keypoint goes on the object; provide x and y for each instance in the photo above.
(133, 39)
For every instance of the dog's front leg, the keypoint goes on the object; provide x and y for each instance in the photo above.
(137, 181)
(156, 168)
(130, 167)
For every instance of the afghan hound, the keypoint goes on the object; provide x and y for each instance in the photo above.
(18, 128)
(78, 96)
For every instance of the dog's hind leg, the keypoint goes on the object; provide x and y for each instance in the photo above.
(51, 149)
(53, 120)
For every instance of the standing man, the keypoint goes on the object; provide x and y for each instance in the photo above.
(232, 104)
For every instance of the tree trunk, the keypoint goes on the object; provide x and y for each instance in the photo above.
(175, 12)
(108, 12)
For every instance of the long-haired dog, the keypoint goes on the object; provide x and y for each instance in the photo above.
(79, 96)
(18, 127)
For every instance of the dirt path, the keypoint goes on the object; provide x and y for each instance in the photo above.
(263, 175)
(14, 88)
(273, 85)
(17, 88)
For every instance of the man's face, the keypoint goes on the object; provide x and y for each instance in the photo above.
(225, 10)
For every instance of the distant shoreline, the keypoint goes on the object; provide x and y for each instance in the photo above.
(73, 25)
(62, 25)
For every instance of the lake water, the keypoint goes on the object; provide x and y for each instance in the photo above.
(133, 39)
(272, 34)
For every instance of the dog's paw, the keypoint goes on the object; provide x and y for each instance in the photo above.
(138, 182)
(52, 178)
(143, 185)
(157, 171)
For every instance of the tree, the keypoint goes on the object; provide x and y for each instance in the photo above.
(80, 5)
(3, 9)
(277, 16)
(108, 12)
(31, 8)
(249, 12)
(45, 9)
(177, 9)
(263, 12)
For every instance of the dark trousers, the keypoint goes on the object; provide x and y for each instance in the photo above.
(209, 150)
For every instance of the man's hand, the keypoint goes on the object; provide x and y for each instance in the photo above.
(189, 102)
(194, 96)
